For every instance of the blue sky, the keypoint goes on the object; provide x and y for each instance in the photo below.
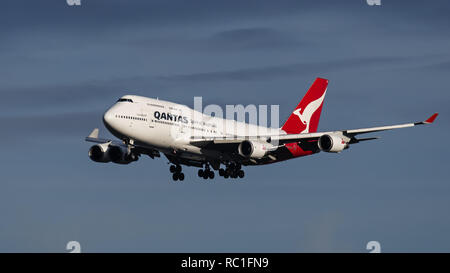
(62, 67)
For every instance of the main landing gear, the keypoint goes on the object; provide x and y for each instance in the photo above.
(176, 172)
(206, 173)
(232, 170)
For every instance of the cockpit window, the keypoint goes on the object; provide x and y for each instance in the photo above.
(122, 99)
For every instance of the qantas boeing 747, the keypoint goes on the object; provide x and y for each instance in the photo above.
(187, 137)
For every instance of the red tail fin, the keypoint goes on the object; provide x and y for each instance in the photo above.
(305, 117)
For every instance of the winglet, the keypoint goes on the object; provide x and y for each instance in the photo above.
(94, 133)
(431, 119)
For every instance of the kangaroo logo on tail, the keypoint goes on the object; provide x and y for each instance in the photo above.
(308, 110)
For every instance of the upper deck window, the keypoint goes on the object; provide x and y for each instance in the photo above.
(122, 99)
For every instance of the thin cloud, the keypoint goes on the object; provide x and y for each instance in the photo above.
(54, 125)
(277, 71)
(253, 38)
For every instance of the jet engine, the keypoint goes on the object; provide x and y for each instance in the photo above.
(332, 143)
(107, 152)
(99, 153)
(121, 155)
(253, 149)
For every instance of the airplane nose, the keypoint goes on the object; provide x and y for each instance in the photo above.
(108, 117)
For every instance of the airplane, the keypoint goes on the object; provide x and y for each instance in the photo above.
(147, 126)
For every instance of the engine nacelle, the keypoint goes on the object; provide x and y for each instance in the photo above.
(106, 152)
(253, 149)
(99, 153)
(121, 155)
(332, 143)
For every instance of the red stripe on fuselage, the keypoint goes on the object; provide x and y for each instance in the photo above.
(296, 150)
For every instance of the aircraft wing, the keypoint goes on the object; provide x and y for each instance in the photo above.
(138, 148)
(93, 137)
(351, 133)
(293, 138)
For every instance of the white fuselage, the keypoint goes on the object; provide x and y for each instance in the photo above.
(169, 127)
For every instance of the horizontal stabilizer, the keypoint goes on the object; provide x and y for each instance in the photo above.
(357, 140)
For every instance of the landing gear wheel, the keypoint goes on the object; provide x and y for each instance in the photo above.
(181, 176)
(175, 176)
(221, 172)
(205, 175)
(241, 174)
(173, 168)
(178, 169)
(200, 173)
(211, 175)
